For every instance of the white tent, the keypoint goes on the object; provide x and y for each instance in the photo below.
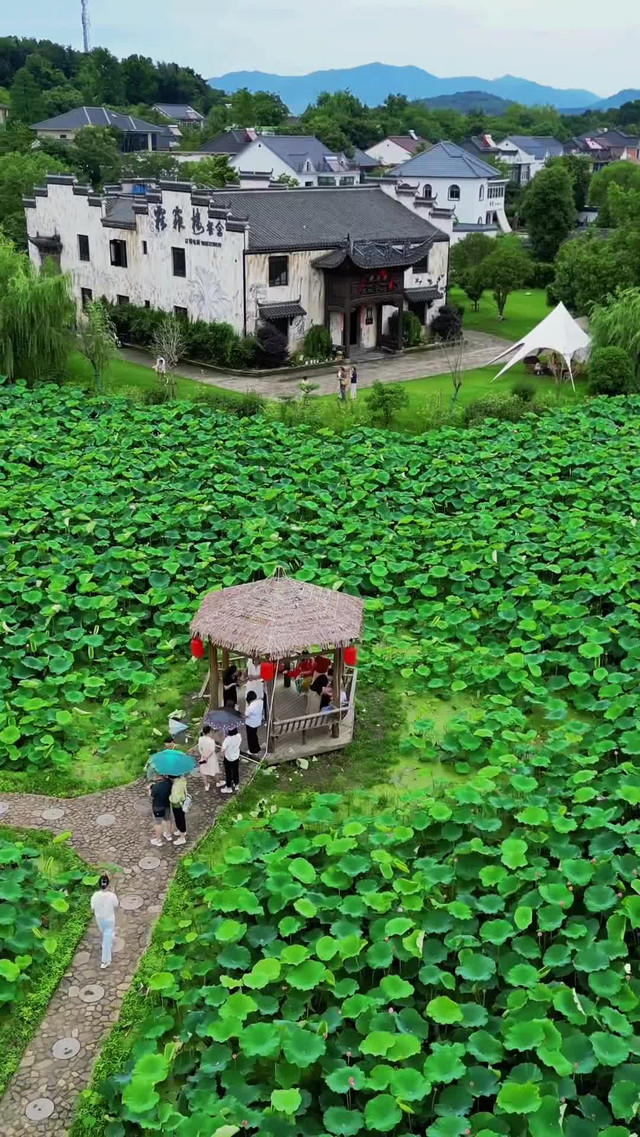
(558, 332)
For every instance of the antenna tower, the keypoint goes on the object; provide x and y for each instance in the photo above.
(85, 24)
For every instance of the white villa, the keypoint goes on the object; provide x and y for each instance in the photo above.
(450, 178)
(396, 148)
(344, 257)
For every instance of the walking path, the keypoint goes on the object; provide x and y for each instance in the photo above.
(111, 830)
(479, 350)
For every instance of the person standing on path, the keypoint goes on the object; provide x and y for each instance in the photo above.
(160, 792)
(177, 799)
(354, 383)
(231, 756)
(103, 905)
(343, 380)
(207, 757)
(252, 720)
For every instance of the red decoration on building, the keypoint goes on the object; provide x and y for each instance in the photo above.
(350, 656)
(197, 648)
(267, 671)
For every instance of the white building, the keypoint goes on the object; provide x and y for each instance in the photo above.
(346, 258)
(136, 133)
(298, 156)
(527, 154)
(450, 178)
(396, 148)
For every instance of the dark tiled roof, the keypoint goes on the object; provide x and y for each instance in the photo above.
(323, 218)
(98, 116)
(612, 138)
(473, 227)
(118, 212)
(407, 142)
(228, 142)
(362, 160)
(539, 146)
(419, 294)
(377, 254)
(299, 149)
(286, 308)
(179, 112)
(445, 160)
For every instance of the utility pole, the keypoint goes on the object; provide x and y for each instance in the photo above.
(85, 24)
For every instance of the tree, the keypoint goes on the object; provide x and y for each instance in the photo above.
(152, 165)
(268, 109)
(100, 78)
(37, 315)
(212, 171)
(140, 79)
(470, 252)
(473, 281)
(447, 325)
(623, 174)
(272, 349)
(95, 155)
(588, 270)
(616, 323)
(169, 344)
(19, 173)
(549, 211)
(97, 340)
(506, 269)
(610, 371)
(579, 171)
(384, 401)
(287, 180)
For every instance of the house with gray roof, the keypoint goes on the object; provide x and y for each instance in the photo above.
(396, 148)
(452, 179)
(348, 258)
(136, 133)
(527, 154)
(299, 156)
(179, 113)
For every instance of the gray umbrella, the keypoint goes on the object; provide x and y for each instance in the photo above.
(222, 719)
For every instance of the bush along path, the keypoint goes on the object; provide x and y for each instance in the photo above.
(111, 831)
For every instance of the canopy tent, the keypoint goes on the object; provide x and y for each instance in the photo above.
(558, 332)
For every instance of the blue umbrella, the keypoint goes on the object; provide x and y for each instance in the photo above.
(172, 762)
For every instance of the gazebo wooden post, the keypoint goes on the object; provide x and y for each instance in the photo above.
(225, 658)
(338, 657)
(214, 678)
(270, 705)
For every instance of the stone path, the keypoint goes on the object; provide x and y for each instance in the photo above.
(480, 349)
(111, 830)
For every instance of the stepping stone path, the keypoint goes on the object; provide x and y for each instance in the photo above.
(108, 829)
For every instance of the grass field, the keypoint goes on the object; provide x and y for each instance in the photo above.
(524, 309)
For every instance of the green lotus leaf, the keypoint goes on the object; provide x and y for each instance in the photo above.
(260, 1039)
(382, 1113)
(624, 1098)
(523, 975)
(393, 987)
(577, 871)
(609, 1049)
(522, 917)
(591, 958)
(378, 1042)
(398, 926)
(448, 1127)
(262, 973)
(345, 1078)
(496, 931)
(380, 955)
(230, 931)
(139, 1096)
(521, 1097)
(161, 981)
(475, 967)
(514, 853)
(306, 975)
(238, 1006)
(599, 898)
(524, 1035)
(485, 1047)
(409, 1085)
(342, 1121)
(302, 870)
(444, 1062)
(286, 1101)
(444, 1010)
(405, 1046)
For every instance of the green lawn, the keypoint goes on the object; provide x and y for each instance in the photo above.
(122, 377)
(524, 309)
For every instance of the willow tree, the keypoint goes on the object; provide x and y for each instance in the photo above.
(97, 340)
(617, 324)
(37, 318)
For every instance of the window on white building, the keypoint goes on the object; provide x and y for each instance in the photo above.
(481, 193)
(347, 181)
(278, 271)
(454, 193)
(145, 249)
(83, 247)
(86, 295)
(122, 299)
(324, 180)
(118, 252)
(428, 191)
(181, 313)
(179, 262)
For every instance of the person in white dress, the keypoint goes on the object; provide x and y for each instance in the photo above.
(207, 757)
(103, 905)
(254, 681)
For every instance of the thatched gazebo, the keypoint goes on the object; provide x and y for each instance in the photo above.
(275, 621)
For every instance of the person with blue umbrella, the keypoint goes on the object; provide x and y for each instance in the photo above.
(168, 763)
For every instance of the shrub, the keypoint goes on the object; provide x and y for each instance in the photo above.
(249, 404)
(411, 328)
(505, 408)
(541, 275)
(317, 342)
(243, 353)
(271, 346)
(447, 325)
(610, 371)
(384, 400)
(524, 390)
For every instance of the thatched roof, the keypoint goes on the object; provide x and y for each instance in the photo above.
(278, 617)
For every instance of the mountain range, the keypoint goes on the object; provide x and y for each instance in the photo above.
(372, 82)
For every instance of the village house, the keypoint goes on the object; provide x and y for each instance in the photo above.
(527, 154)
(301, 157)
(605, 146)
(347, 258)
(136, 133)
(227, 144)
(449, 178)
(396, 148)
(179, 114)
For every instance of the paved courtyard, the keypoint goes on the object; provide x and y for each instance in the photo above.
(479, 350)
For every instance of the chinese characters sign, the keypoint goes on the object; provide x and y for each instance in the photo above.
(377, 283)
(196, 224)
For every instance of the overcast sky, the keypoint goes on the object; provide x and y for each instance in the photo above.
(566, 43)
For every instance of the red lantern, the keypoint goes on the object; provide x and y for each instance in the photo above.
(197, 648)
(350, 656)
(267, 671)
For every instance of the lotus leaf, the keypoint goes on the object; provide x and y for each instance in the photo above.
(523, 1097)
(444, 1010)
(343, 1121)
(382, 1113)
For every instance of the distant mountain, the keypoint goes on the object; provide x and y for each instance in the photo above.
(629, 95)
(466, 101)
(372, 82)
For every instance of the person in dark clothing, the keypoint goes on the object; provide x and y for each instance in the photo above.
(231, 758)
(319, 684)
(230, 681)
(160, 792)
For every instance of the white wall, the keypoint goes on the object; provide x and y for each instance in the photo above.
(258, 158)
(388, 153)
(306, 284)
(212, 289)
